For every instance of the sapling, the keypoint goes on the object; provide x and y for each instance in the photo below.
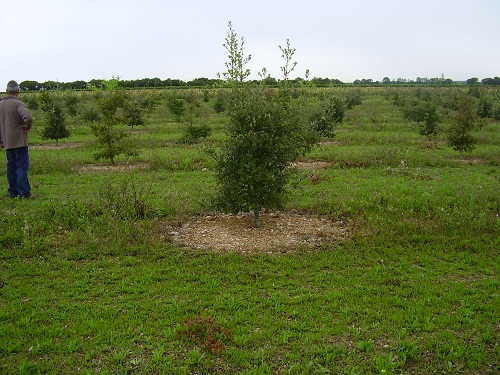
(112, 104)
(55, 119)
(431, 121)
(464, 121)
(425, 114)
(56, 124)
(267, 133)
(176, 105)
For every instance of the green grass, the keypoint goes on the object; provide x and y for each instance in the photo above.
(89, 282)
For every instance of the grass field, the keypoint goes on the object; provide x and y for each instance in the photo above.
(91, 284)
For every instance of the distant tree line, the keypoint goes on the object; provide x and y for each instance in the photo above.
(485, 81)
(159, 83)
(420, 80)
(428, 81)
(100, 83)
(207, 82)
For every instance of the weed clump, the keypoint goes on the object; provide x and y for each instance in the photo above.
(206, 333)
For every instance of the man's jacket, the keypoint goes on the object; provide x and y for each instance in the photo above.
(14, 118)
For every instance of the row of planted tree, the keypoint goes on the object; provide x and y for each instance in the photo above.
(325, 107)
(268, 128)
(465, 111)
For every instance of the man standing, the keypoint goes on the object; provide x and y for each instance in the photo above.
(15, 124)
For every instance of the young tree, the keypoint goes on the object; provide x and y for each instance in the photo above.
(431, 117)
(327, 115)
(193, 108)
(424, 111)
(55, 127)
(267, 133)
(55, 120)
(220, 102)
(71, 104)
(415, 111)
(464, 121)
(111, 104)
(32, 102)
(132, 114)
(236, 72)
(485, 106)
(176, 105)
(192, 133)
(496, 112)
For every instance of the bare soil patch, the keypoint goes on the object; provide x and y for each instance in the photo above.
(468, 160)
(56, 146)
(120, 167)
(280, 232)
(330, 143)
(312, 164)
(108, 167)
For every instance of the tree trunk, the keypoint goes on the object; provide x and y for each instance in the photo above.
(256, 215)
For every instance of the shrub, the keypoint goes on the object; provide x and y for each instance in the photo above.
(353, 99)
(327, 115)
(132, 114)
(485, 107)
(220, 102)
(90, 115)
(32, 103)
(431, 120)
(496, 112)
(176, 105)
(71, 104)
(193, 133)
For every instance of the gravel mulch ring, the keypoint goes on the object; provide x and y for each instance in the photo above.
(279, 233)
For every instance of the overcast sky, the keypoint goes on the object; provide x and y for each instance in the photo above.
(74, 40)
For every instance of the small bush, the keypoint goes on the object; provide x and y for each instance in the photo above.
(193, 133)
(328, 114)
(353, 99)
(32, 103)
(220, 102)
(56, 124)
(91, 115)
(464, 121)
(176, 105)
(71, 104)
(132, 115)
(496, 112)
(485, 107)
